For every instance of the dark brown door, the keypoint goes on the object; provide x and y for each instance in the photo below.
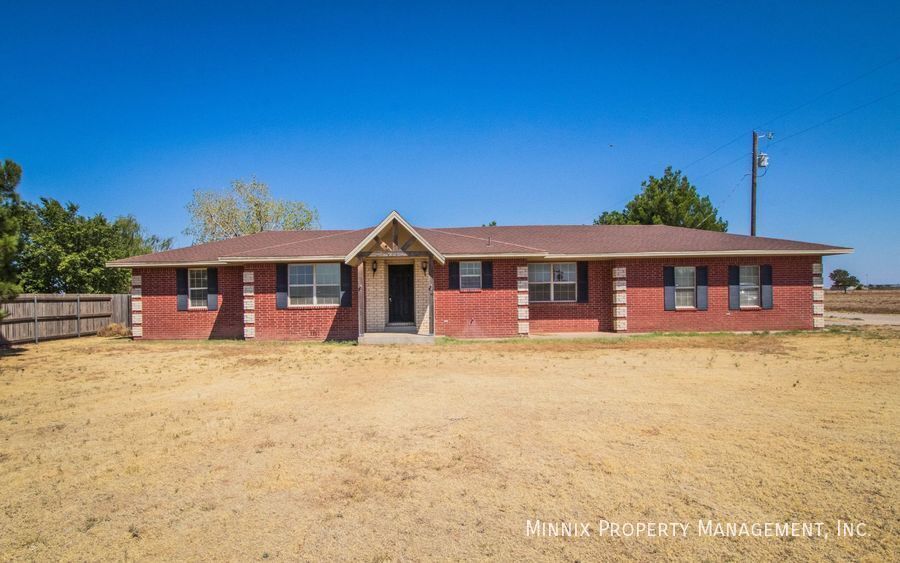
(400, 293)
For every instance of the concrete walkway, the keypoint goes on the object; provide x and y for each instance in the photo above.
(835, 318)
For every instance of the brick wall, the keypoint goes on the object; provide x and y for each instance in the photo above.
(478, 313)
(595, 315)
(792, 296)
(161, 318)
(324, 322)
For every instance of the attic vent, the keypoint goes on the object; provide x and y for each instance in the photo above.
(489, 240)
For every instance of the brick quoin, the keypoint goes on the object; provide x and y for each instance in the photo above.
(320, 322)
(163, 320)
(792, 293)
(486, 313)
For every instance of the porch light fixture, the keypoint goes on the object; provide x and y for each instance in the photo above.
(374, 266)
(424, 266)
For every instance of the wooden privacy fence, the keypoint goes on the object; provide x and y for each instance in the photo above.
(33, 317)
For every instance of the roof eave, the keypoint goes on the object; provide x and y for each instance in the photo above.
(171, 264)
(690, 253)
(394, 216)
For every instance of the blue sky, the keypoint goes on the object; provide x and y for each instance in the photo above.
(461, 113)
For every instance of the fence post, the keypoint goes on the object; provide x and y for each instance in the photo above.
(36, 339)
(78, 316)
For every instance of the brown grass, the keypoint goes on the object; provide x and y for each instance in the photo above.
(111, 449)
(864, 301)
(114, 329)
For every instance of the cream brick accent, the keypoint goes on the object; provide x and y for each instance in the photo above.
(137, 331)
(249, 304)
(523, 299)
(523, 313)
(817, 268)
(422, 284)
(523, 328)
(818, 308)
(249, 332)
(621, 324)
(817, 281)
(249, 318)
(135, 281)
(248, 290)
(136, 291)
(619, 285)
(522, 285)
(818, 322)
(248, 277)
(376, 295)
(620, 298)
(619, 272)
(136, 305)
(137, 318)
(522, 272)
(818, 295)
(621, 311)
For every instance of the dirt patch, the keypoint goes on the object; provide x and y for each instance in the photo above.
(251, 450)
(864, 301)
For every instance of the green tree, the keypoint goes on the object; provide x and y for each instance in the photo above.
(841, 279)
(491, 224)
(65, 252)
(670, 200)
(245, 208)
(10, 175)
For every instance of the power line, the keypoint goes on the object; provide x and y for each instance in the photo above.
(726, 165)
(726, 198)
(799, 107)
(838, 116)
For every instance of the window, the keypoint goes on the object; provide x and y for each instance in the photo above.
(314, 284)
(470, 275)
(197, 288)
(552, 282)
(749, 282)
(685, 287)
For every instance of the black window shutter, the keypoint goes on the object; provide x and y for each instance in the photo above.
(734, 287)
(765, 289)
(181, 288)
(453, 268)
(212, 289)
(582, 282)
(281, 286)
(702, 288)
(346, 286)
(487, 275)
(669, 287)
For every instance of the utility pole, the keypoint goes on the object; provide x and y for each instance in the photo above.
(753, 183)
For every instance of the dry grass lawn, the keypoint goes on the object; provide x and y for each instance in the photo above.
(111, 449)
(885, 301)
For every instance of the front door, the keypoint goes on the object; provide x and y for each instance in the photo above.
(400, 293)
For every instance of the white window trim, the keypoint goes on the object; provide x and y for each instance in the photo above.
(758, 286)
(205, 306)
(693, 288)
(553, 284)
(480, 275)
(314, 286)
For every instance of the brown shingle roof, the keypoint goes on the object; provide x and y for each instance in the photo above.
(535, 240)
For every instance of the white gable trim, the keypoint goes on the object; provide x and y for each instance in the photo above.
(394, 216)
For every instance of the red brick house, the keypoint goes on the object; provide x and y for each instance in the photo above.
(476, 282)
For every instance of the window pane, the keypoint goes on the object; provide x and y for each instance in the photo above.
(301, 294)
(470, 282)
(197, 278)
(328, 294)
(539, 291)
(684, 297)
(564, 272)
(749, 275)
(300, 274)
(470, 268)
(684, 276)
(328, 274)
(564, 292)
(198, 298)
(539, 273)
(749, 297)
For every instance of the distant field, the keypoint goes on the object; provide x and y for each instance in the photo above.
(869, 301)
